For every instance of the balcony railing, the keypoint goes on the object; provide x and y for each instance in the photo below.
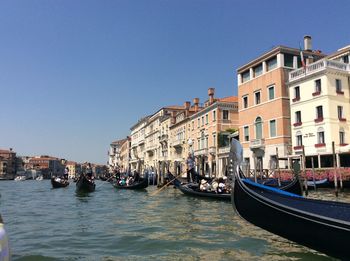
(178, 143)
(224, 150)
(163, 137)
(151, 147)
(212, 150)
(257, 143)
(201, 152)
(317, 67)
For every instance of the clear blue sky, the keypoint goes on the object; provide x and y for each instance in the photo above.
(76, 75)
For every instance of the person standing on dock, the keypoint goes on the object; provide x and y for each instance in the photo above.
(191, 173)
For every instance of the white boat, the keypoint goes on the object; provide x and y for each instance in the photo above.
(39, 178)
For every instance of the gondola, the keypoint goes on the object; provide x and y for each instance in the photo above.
(141, 184)
(318, 224)
(192, 189)
(85, 185)
(59, 183)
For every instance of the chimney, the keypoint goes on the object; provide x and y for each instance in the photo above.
(211, 92)
(187, 106)
(307, 43)
(173, 117)
(196, 104)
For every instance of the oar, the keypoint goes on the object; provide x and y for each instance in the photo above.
(159, 190)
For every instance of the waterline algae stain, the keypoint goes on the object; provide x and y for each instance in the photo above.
(109, 224)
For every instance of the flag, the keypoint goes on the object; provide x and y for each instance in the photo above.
(302, 57)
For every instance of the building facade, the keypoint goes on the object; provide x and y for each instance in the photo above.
(320, 109)
(264, 108)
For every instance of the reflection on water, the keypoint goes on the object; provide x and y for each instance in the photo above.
(112, 224)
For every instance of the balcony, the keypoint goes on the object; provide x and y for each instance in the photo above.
(298, 148)
(212, 150)
(151, 147)
(201, 152)
(319, 119)
(224, 150)
(163, 137)
(320, 145)
(296, 99)
(297, 124)
(257, 143)
(318, 67)
(178, 143)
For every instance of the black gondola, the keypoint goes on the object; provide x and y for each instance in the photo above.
(141, 184)
(83, 184)
(318, 224)
(59, 183)
(193, 189)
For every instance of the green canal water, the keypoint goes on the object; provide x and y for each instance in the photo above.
(57, 224)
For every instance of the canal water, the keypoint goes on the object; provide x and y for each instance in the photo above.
(110, 224)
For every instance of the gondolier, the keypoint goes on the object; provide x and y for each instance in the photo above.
(191, 172)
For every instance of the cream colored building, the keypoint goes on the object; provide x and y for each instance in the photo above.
(264, 109)
(320, 109)
(156, 136)
(209, 130)
(124, 157)
(137, 145)
(180, 129)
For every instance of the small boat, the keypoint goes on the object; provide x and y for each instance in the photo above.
(83, 184)
(323, 183)
(58, 182)
(39, 178)
(317, 224)
(141, 184)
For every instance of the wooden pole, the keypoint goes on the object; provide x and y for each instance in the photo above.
(335, 171)
(159, 190)
(340, 174)
(278, 168)
(313, 172)
(304, 172)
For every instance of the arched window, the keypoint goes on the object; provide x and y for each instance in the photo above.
(258, 128)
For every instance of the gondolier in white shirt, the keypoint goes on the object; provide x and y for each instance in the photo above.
(191, 172)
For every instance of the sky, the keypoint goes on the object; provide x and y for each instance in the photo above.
(76, 75)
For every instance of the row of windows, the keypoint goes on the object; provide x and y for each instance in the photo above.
(319, 115)
(205, 119)
(257, 96)
(320, 137)
(290, 60)
(203, 142)
(258, 70)
(258, 129)
(318, 89)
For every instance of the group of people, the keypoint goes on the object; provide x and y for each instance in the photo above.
(127, 179)
(217, 185)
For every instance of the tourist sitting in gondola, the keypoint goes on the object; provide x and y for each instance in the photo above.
(214, 185)
(204, 186)
(122, 181)
(129, 180)
(222, 186)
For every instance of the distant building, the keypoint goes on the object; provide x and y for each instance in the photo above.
(74, 169)
(49, 166)
(7, 164)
